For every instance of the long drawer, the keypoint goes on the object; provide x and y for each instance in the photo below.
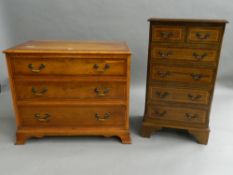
(59, 90)
(184, 54)
(188, 115)
(72, 116)
(183, 95)
(181, 74)
(68, 66)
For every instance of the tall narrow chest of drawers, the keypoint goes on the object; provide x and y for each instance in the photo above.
(182, 65)
(69, 88)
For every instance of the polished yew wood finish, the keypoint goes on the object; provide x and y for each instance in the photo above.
(72, 116)
(182, 65)
(45, 90)
(70, 88)
(82, 66)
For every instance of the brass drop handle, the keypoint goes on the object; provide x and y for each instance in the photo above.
(166, 35)
(202, 36)
(101, 92)
(160, 114)
(199, 57)
(40, 92)
(31, 67)
(163, 74)
(102, 118)
(196, 76)
(164, 54)
(162, 94)
(97, 68)
(191, 116)
(43, 118)
(194, 97)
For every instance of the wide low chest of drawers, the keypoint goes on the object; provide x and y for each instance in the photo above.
(182, 65)
(70, 88)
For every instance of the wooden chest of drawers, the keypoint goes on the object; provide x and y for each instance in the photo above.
(182, 64)
(69, 88)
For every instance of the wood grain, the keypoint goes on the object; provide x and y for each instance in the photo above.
(71, 47)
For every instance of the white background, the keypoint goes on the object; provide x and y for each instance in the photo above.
(167, 152)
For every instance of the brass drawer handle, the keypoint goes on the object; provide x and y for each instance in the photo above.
(104, 117)
(164, 54)
(199, 57)
(202, 36)
(101, 92)
(31, 67)
(162, 94)
(194, 97)
(160, 114)
(191, 116)
(166, 35)
(43, 118)
(196, 76)
(40, 92)
(96, 67)
(163, 74)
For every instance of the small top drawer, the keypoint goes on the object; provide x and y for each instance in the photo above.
(167, 33)
(69, 66)
(204, 34)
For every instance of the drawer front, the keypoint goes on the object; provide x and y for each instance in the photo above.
(191, 75)
(72, 116)
(179, 95)
(204, 35)
(68, 66)
(187, 115)
(170, 54)
(44, 90)
(167, 33)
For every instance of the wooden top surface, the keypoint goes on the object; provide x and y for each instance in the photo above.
(188, 20)
(80, 47)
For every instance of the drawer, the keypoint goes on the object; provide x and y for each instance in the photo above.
(167, 33)
(72, 116)
(204, 34)
(69, 66)
(181, 74)
(173, 54)
(187, 115)
(179, 95)
(60, 90)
